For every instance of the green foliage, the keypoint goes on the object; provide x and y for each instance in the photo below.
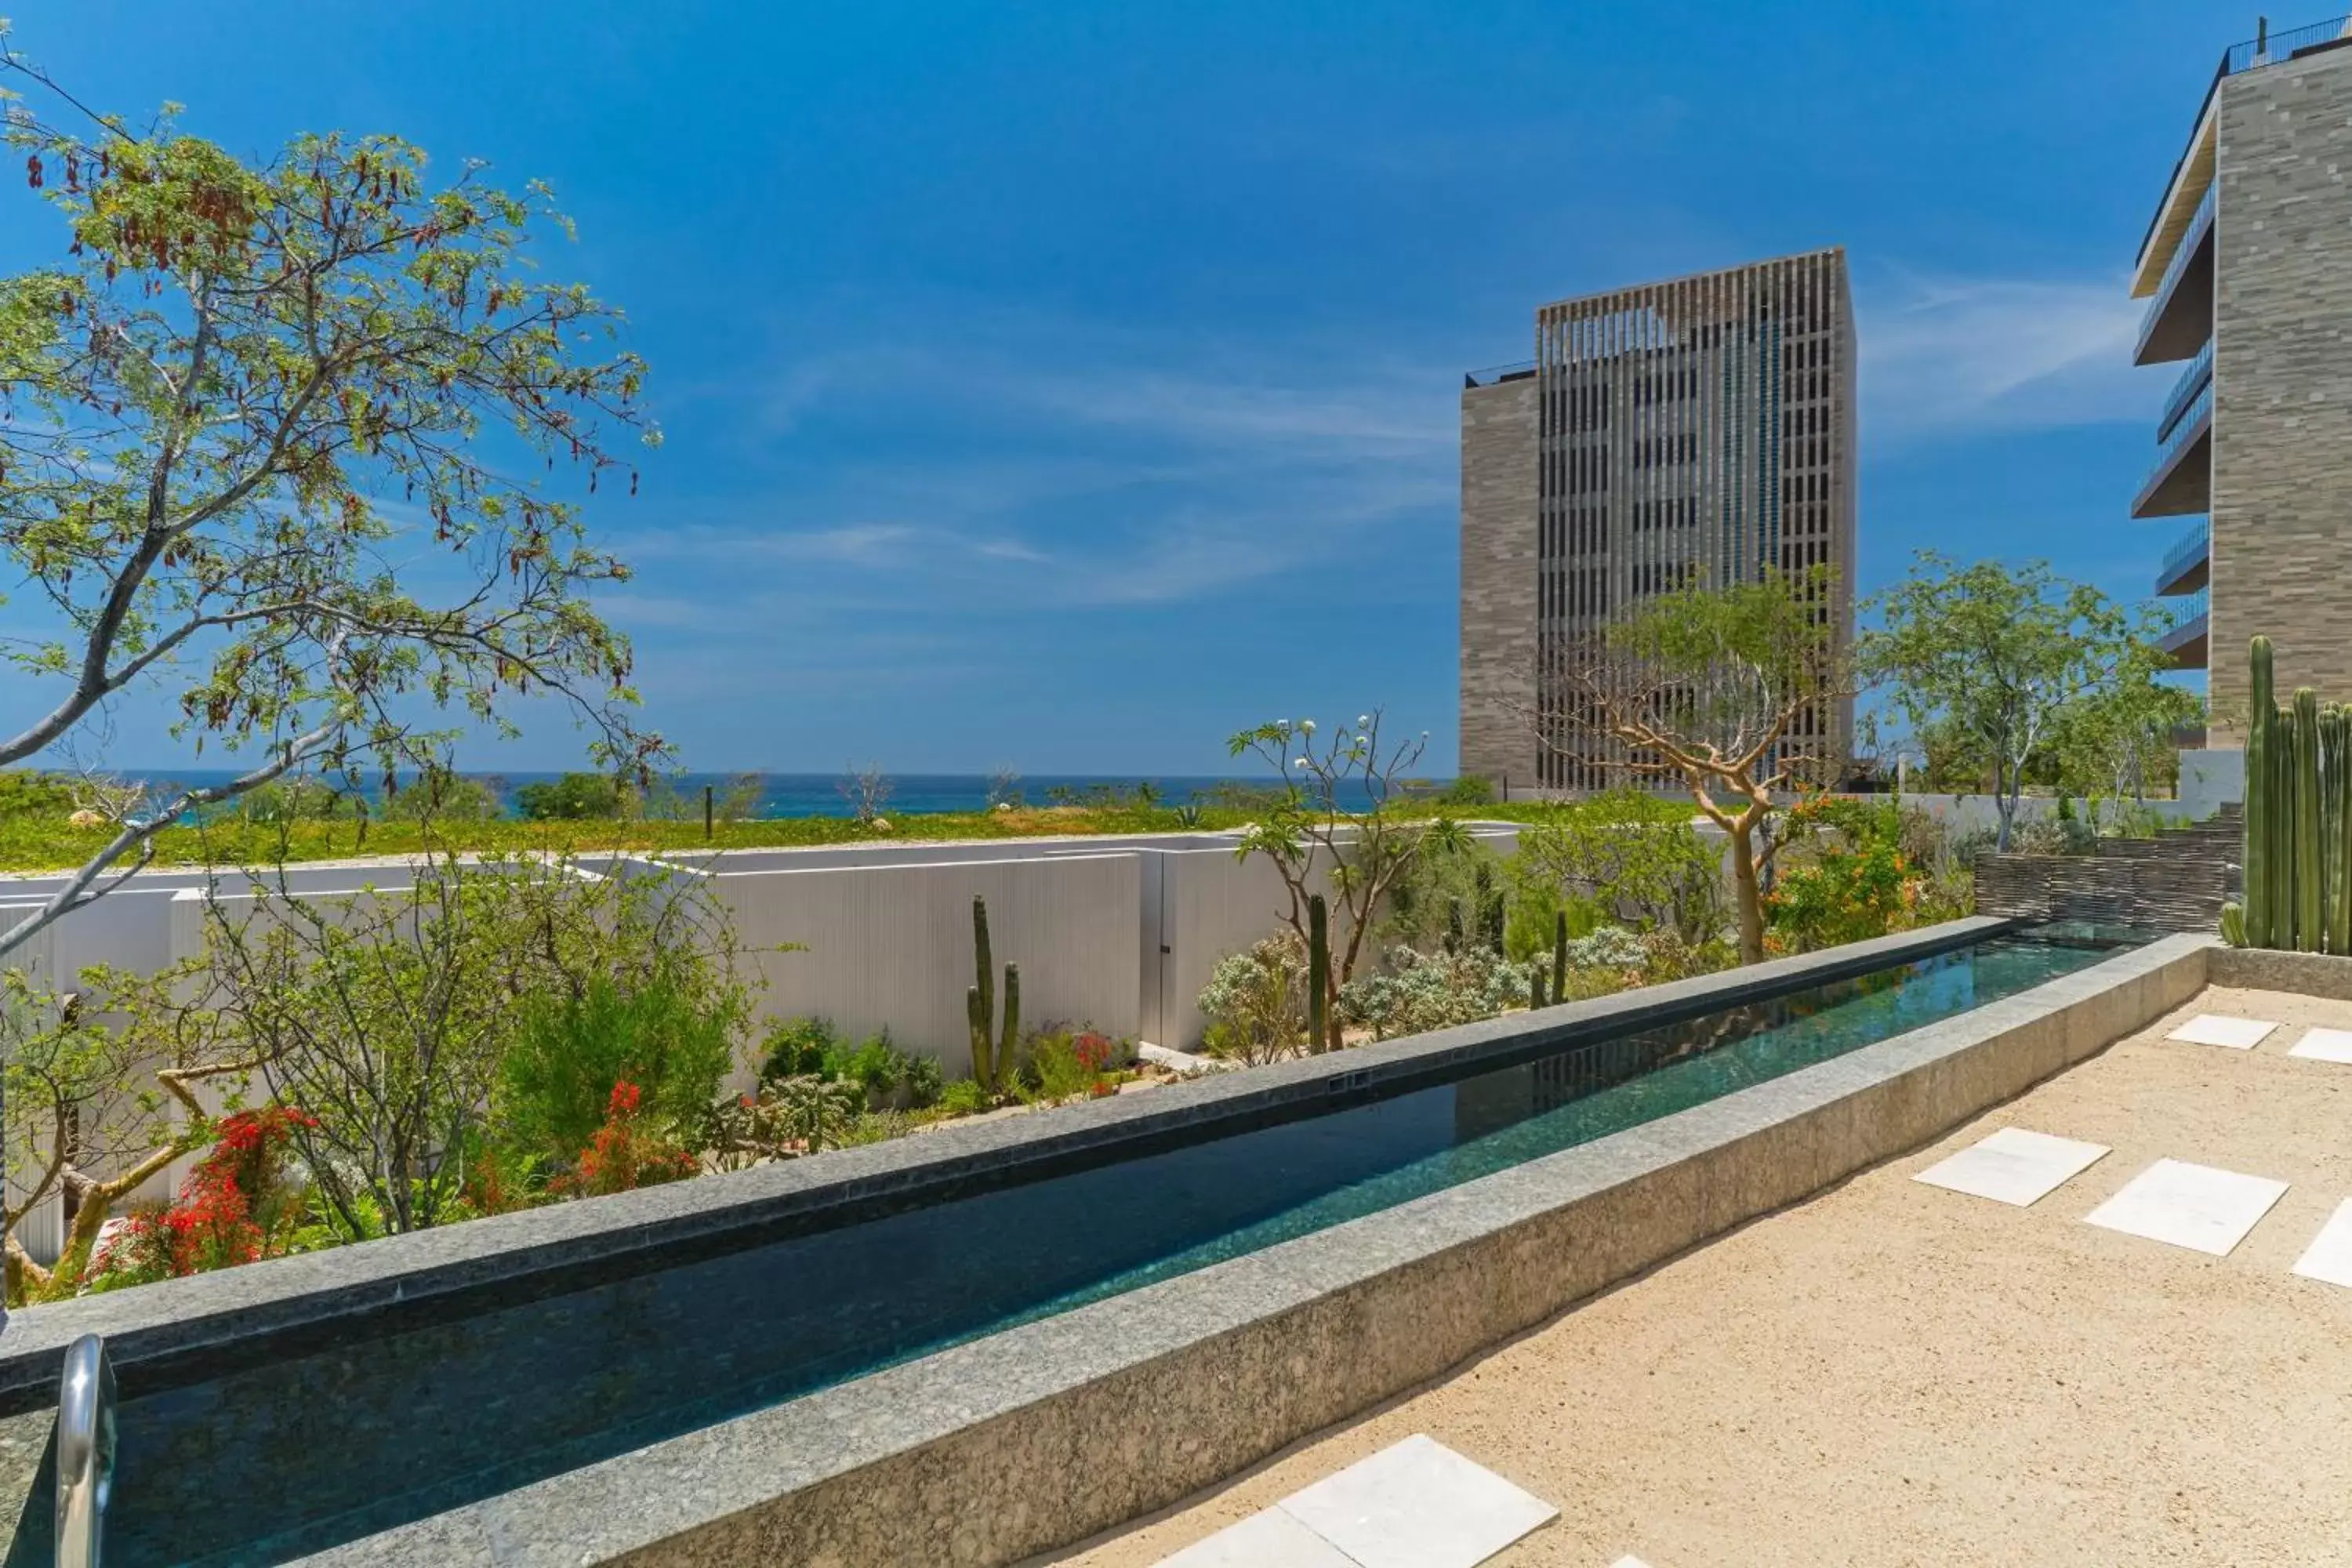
(795, 1047)
(1623, 855)
(964, 1097)
(2233, 923)
(29, 792)
(1853, 870)
(574, 797)
(265, 500)
(671, 1035)
(1470, 789)
(2000, 661)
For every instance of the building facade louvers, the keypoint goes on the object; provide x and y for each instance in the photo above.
(1695, 430)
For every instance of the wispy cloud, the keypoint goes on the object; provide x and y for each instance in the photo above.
(1959, 356)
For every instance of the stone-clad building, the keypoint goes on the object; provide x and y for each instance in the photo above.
(1696, 429)
(2247, 267)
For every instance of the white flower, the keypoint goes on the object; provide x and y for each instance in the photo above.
(1308, 725)
(1282, 723)
(1299, 763)
(1363, 720)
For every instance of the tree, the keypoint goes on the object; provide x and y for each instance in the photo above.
(2117, 738)
(1710, 684)
(101, 1096)
(1992, 656)
(1310, 830)
(274, 441)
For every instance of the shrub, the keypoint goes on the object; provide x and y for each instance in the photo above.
(671, 1038)
(1421, 992)
(1470, 789)
(574, 797)
(1256, 1002)
(236, 1207)
(625, 1153)
(1635, 856)
(964, 1097)
(887, 1077)
(793, 1047)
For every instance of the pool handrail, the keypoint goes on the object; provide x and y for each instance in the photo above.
(85, 1452)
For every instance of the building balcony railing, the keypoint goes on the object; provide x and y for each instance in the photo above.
(2182, 480)
(2186, 564)
(2265, 48)
(2189, 635)
(2194, 380)
(2179, 318)
(1495, 374)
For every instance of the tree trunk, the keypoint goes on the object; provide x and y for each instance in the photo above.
(1750, 895)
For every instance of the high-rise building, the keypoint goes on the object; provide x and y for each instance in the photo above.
(2247, 268)
(1698, 429)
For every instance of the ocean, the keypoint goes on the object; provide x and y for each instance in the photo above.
(820, 795)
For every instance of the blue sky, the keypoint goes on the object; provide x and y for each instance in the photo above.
(1068, 386)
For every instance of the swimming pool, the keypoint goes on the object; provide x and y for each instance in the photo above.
(361, 1435)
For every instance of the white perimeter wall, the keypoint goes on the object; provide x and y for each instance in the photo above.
(891, 946)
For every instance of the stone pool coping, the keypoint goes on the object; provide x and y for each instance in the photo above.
(182, 1329)
(1043, 1435)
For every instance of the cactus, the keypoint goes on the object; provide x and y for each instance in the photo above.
(1536, 998)
(991, 1058)
(1318, 973)
(2233, 923)
(1452, 927)
(2256, 856)
(1005, 1050)
(980, 1000)
(1559, 954)
(2306, 861)
(2339, 853)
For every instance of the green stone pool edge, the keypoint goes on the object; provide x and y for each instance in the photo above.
(1044, 1434)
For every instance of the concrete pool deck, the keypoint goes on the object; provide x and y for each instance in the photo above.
(1891, 1373)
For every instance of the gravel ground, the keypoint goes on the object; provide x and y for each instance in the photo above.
(1894, 1374)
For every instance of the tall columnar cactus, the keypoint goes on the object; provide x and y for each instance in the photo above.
(2257, 859)
(1559, 954)
(2308, 865)
(1536, 994)
(991, 1058)
(2339, 852)
(1318, 974)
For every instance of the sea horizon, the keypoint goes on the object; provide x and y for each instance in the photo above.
(802, 794)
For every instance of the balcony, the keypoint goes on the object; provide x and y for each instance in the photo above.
(2183, 396)
(2185, 642)
(2179, 320)
(2186, 565)
(2182, 480)
(2192, 176)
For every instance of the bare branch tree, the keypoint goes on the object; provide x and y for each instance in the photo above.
(1728, 690)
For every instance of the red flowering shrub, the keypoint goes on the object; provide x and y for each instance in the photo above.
(625, 1154)
(1094, 1051)
(230, 1210)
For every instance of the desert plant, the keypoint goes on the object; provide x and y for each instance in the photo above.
(991, 1058)
(1318, 977)
(1256, 1002)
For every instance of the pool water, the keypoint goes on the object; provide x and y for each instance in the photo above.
(263, 1465)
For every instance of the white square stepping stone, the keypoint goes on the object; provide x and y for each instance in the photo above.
(2323, 1046)
(2329, 1255)
(1271, 1538)
(2014, 1166)
(2213, 1029)
(1417, 1505)
(2188, 1205)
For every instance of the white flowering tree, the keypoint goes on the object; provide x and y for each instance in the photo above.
(1335, 823)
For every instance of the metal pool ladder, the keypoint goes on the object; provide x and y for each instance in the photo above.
(85, 1452)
